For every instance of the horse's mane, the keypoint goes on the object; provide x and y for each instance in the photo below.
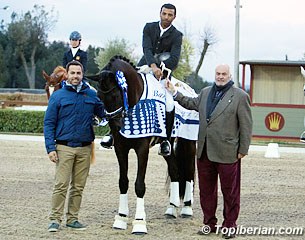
(59, 69)
(120, 57)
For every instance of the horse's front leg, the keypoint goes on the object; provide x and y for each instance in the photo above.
(139, 224)
(121, 219)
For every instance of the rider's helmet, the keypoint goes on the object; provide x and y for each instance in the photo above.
(75, 35)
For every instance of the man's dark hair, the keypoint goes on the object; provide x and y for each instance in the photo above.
(168, 6)
(76, 63)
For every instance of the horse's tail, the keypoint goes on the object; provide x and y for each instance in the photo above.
(92, 153)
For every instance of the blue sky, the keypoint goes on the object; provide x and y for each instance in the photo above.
(269, 29)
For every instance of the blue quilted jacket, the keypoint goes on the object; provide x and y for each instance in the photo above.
(69, 116)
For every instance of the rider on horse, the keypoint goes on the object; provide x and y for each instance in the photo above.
(161, 43)
(75, 53)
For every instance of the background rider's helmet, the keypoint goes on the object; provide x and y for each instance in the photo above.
(75, 35)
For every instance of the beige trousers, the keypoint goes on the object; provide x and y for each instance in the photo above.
(71, 171)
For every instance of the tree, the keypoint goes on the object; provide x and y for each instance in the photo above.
(92, 52)
(49, 57)
(28, 32)
(184, 66)
(208, 39)
(196, 83)
(112, 48)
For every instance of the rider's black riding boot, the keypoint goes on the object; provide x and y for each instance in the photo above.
(107, 141)
(165, 146)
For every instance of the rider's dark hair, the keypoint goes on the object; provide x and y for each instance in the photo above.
(168, 6)
(76, 63)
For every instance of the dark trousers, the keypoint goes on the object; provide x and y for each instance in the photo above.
(229, 175)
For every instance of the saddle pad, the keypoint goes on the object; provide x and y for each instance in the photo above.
(186, 123)
(147, 117)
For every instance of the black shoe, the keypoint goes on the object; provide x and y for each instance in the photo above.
(302, 139)
(165, 148)
(107, 141)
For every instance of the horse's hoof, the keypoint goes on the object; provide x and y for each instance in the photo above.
(171, 212)
(186, 212)
(139, 227)
(168, 216)
(120, 222)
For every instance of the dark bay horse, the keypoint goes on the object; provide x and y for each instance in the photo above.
(53, 82)
(119, 98)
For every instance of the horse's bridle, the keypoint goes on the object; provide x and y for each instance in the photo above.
(122, 111)
(116, 114)
(52, 85)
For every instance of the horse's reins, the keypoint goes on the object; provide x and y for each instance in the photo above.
(108, 91)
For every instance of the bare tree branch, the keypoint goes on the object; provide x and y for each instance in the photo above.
(209, 39)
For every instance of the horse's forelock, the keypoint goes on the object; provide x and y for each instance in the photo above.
(59, 69)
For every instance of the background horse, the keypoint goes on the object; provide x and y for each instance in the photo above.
(115, 94)
(53, 82)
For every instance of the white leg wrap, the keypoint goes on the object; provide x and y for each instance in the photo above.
(171, 211)
(186, 211)
(123, 207)
(120, 222)
(174, 194)
(139, 224)
(189, 192)
(139, 227)
(140, 211)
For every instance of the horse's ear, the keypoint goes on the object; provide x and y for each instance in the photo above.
(45, 76)
(95, 78)
(106, 74)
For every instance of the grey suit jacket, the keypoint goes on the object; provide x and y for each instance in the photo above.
(230, 128)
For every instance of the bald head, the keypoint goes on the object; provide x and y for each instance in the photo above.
(222, 74)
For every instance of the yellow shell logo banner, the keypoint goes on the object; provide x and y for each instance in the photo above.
(274, 121)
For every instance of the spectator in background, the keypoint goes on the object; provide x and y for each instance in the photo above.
(75, 53)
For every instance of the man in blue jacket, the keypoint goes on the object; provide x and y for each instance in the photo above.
(68, 133)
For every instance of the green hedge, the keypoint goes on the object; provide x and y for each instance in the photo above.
(20, 121)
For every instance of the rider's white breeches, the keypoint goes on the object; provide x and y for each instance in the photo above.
(169, 100)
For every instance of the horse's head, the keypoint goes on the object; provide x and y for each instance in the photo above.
(110, 89)
(53, 82)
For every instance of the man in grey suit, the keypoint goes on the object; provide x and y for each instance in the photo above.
(223, 140)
